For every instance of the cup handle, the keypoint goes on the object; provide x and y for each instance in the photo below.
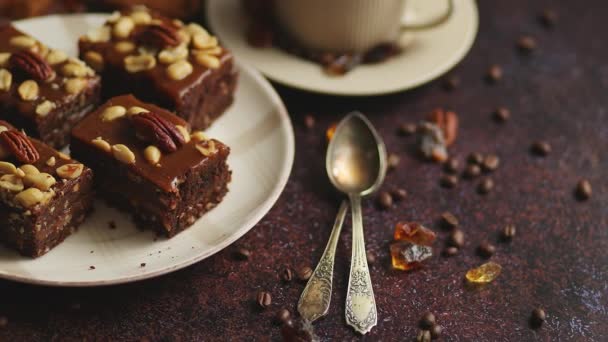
(433, 22)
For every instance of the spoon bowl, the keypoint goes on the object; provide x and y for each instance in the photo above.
(356, 156)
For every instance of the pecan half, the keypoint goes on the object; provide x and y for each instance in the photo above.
(31, 64)
(153, 128)
(20, 146)
(447, 122)
(159, 36)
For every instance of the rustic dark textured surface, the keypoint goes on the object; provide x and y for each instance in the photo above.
(557, 260)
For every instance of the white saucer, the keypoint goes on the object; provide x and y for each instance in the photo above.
(259, 132)
(432, 52)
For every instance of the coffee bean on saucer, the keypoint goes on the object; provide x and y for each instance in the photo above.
(264, 299)
(287, 274)
(407, 129)
(472, 171)
(486, 249)
(526, 44)
(436, 331)
(304, 273)
(452, 165)
(451, 83)
(428, 320)
(583, 190)
(385, 200)
(538, 317)
(490, 162)
(494, 74)
(371, 257)
(242, 253)
(448, 181)
(392, 161)
(399, 194)
(485, 186)
(475, 158)
(423, 336)
(456, 238)
(548, 17)
(283, 316)
(309, 121)
(448, 220)
(450, 251)
(541, 148)
(508, 232)
(502, 114)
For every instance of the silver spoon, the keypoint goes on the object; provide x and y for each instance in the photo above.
(316, 297)
(356, 165)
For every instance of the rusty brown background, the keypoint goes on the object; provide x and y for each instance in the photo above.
(558, 260)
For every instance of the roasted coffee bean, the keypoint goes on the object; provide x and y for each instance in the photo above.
(392, 161)
(287, 274)
(508, 232)
(371, 257)
(385, 200)
(242, 253)
(494, 74)
(380, 53)
(448, 181)
(485, 186)
(424, 336)
(264, 299)
(526, 44)
(399, 194)
(541, 148)
(456, 238)
(548, 18)
(407, 129)
(452, 165)
(486, 249)
(448, 220)
(502, 114)
(304, 273)
(538, 317)
(475, 158)
(490, 162)
(428, 320)
(583, 190)
(472, 171)
(283, 316)
(436, 331)
(309, 121)
(343, 64)
(450, 251)
(451, 83)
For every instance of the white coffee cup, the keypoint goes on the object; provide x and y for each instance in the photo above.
(347, 25)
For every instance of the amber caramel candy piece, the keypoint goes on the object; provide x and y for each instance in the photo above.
(414, 233)
(330, 131)
(484, 274)
(406, 256)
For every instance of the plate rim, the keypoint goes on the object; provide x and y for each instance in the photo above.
(264, 208)
(439, 71)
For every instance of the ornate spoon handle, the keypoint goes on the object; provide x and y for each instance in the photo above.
(315, 299)
(361, 311)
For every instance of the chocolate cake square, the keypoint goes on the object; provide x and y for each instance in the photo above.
(42, 90)
(44, 194)
(147, 163)
(159, 60)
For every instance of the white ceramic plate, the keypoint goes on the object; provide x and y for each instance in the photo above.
(431, 53)
(259, 132)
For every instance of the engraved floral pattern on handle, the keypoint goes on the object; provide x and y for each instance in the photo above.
(361, 311)
(316, 297)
